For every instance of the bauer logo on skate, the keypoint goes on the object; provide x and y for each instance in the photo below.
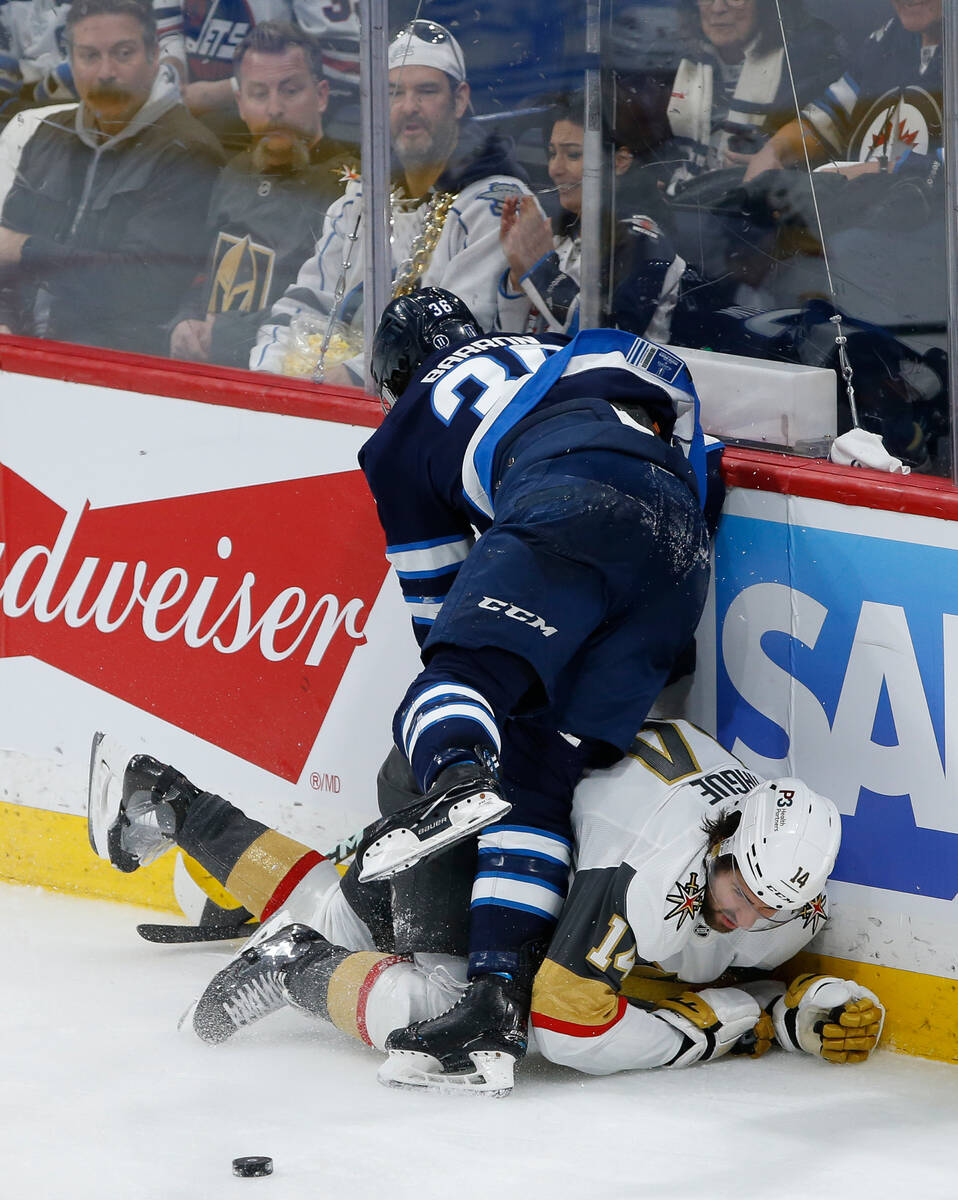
(211, 611)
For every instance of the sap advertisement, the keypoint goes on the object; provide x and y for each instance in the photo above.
(206, 583)
(837, 661)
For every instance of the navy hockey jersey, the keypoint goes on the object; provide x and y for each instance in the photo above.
(433, 465)
(888, 105)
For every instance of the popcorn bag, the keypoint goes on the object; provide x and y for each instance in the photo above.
(306, 347)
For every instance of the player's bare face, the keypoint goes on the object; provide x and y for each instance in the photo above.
(729, 27)
(112, 67)
(282, 104)
(564, 153)
(424, 114)
(921, 16)
(729, 904)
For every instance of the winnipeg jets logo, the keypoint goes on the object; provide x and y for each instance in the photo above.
(897, 122)
(686, 900)
(815, 913)
(888, 134)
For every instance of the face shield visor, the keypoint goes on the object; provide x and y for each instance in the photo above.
(732, 905)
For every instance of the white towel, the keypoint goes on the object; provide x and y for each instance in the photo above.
(859, 448)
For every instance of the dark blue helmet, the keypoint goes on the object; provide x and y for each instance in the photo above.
(412, 328)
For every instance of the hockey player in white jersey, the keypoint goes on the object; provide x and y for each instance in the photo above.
(688, 867)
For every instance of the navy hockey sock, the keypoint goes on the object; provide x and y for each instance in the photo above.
(519, 889)
(439, 725)
(455, 704)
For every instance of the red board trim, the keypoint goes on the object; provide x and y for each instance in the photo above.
(188, 381)
(788, 475)
(760, 470)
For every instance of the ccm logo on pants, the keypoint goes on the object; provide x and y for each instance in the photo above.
(518, 614)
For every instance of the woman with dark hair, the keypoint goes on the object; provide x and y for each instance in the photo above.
(733, 89)
(650, 288)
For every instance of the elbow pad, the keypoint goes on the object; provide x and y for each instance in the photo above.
(714, 1022)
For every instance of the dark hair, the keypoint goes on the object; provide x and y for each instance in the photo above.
(80, 10)
(718, 828)
(276, 37)
(570, 106)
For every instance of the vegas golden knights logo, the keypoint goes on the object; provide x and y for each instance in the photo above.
(242, 274)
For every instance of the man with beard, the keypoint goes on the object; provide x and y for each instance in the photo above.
(446, 205)
(97, 240)
(268, 205)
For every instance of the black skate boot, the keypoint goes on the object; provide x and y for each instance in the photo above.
(135, 805)
(472, 1047)
(464, 799)
(254, 984)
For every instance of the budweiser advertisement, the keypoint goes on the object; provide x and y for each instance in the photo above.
(208, 584)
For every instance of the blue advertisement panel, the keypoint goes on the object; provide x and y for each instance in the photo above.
(837, 662)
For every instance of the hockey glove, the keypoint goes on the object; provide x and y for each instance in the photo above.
(837, 1019)
(714, 1022)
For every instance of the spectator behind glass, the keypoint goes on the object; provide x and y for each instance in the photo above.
(200, 37)
(733, 88)
(886, 106)
(884, 223)
(448, 189)
(101, 232)
(33, 66)
(540, 291)
(268, 205)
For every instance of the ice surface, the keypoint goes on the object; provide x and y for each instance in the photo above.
(101, 1097)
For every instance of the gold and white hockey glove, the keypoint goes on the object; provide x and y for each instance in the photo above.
(837, 1019)
(716, 1021)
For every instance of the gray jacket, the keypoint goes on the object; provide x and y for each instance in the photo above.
(116, 226)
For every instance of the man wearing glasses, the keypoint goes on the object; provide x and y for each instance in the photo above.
(734, 89)
(446, 206)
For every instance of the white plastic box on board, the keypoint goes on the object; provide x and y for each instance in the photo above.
(765, 403)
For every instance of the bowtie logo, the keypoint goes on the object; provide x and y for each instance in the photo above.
(231, 614)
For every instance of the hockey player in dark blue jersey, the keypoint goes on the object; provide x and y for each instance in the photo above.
(542, 504)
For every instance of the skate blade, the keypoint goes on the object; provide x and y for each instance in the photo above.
(401, 849)
(105, 790)
(493, 1075)
(185, 1022)
(186, 1026)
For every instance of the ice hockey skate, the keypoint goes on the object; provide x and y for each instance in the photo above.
(253, 985)
(473, 1047)
(135, 804)
(464, 799)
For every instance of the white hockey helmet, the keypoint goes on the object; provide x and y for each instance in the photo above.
(786, 842)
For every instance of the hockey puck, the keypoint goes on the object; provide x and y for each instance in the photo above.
(252, 1167)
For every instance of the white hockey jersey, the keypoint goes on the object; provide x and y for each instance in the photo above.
(203, 34)
(467, 260)
(636, 901)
